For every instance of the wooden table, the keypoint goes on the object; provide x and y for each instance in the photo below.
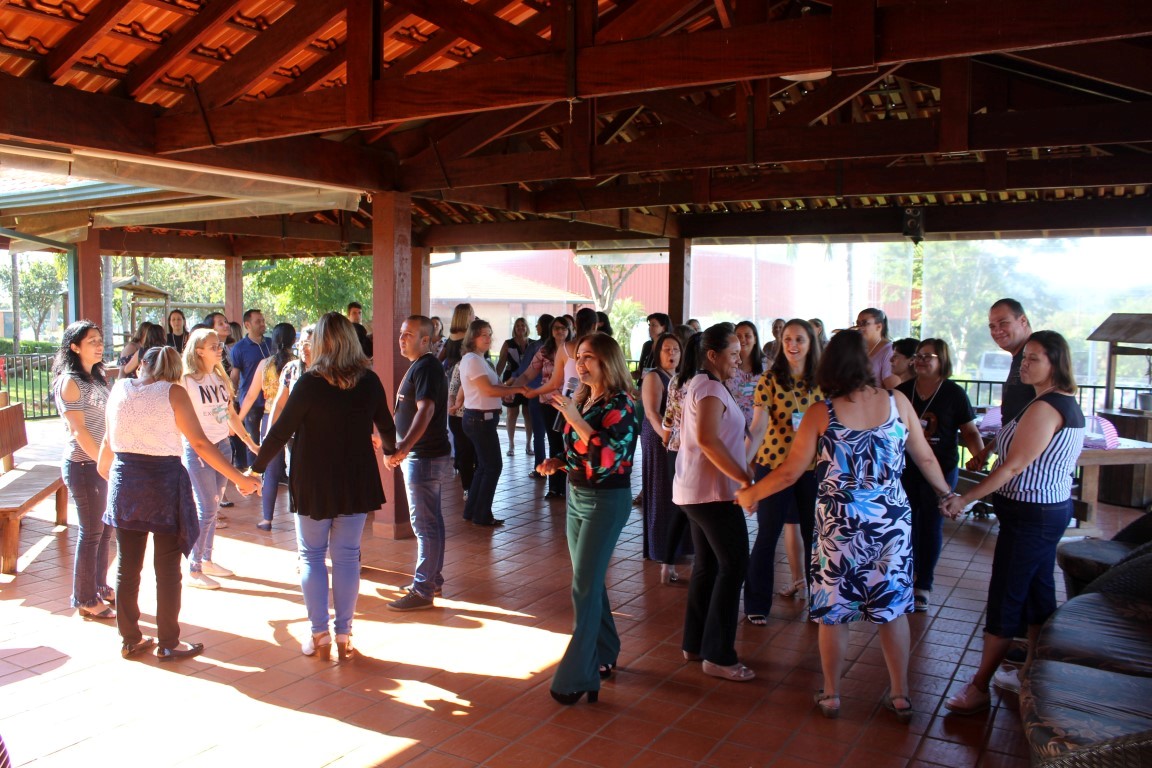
(1130, 452)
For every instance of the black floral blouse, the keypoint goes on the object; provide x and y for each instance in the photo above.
(605, 461)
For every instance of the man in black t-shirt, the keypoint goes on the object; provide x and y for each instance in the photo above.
(1010, 329)
(424, 452)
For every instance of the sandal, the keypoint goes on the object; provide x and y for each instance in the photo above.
(606, 671)
(758, 619)
(824, 701)
(791, 589)
(903, 714)
(735, 672)
(106, 613)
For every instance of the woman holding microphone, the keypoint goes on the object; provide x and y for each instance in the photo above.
(599, 442)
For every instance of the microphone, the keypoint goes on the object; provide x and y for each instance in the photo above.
(569, 388)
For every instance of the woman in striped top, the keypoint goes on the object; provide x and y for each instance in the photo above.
(1031, 484)
(81, 396)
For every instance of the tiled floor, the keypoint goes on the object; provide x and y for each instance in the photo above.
(466, 683)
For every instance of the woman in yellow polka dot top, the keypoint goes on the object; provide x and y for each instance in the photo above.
(785, 391)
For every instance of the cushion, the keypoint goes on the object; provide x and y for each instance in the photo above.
(1065, 707)
(1085, 559)
(1098, 630)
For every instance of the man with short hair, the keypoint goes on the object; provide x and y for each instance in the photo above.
(1010, 329)
(355, 314)
(246, 356)
(424, 451)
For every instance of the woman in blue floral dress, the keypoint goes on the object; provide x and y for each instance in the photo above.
(862, 557)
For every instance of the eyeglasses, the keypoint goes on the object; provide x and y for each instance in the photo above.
(921, 358)
(217, 346)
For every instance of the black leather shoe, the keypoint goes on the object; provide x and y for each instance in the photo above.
(128, 650)
(489, 523)
(182, 651)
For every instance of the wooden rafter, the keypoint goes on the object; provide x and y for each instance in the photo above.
(1116, 63)
(477, 26)
(101, 19)
(643, 18)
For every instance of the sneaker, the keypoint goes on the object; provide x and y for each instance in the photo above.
(1007, 679)
(212, 569)
(411, 602)
(969, 701)
(201, 580)
(921, 600)
(439, 592)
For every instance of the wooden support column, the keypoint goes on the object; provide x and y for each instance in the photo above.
(421, 288)
(679, 280)
(233, 288)
(392, 268)
(87, 300)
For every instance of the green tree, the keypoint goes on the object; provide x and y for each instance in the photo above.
(626, 314)
(605, 281)
(40, 287)
(298, 291)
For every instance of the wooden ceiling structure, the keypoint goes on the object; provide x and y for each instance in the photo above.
(551, 122)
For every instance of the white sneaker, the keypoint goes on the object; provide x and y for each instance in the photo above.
(201, 580)
(1007, 679)
(212, 569)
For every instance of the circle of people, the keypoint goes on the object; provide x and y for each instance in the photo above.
(807, 433)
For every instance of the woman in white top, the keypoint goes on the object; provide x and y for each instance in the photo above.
(210, 391)
(149, 493)
(564, 369)
(710, 467)
(483, 396)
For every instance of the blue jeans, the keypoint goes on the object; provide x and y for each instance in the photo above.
(207, 488)
(927, 524)
(480, 427)
(315, 538)
(423, 481)
(1022, 590)
(539, 429)
(771, 514)
(252, 421)
(93, 544)
(274, 472)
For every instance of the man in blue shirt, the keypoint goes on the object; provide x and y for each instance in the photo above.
(246, 356)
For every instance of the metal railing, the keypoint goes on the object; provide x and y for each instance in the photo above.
(28, 380)
(1090, 397)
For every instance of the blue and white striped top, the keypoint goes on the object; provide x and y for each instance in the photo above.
(1048, 479)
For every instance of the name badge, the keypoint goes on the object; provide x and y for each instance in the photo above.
(924, 423)
(748, 389)
(797, 417)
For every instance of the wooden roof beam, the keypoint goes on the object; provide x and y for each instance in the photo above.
(685, 113)
(905, 32)
(1117, 63)
(96, 24)
(473, 24)
(321, 70)
(644, 18)
(180, 44)
(832, 95)
(261, 56)
(519, 232)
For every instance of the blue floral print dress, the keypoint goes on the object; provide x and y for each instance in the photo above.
(862, 558)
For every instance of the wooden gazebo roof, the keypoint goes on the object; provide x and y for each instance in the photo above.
(567, 121)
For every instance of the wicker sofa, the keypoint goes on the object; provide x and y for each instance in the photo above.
(1086, 700)
(1082, 559)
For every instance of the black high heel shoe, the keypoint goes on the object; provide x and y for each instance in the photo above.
(568, 699)
(606, 671)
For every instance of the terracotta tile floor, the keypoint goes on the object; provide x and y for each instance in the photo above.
(466, 684)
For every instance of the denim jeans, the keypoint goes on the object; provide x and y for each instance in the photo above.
(423, 482)
(557, 480)
(315, 538)
(464, 455)
(771, 515)
(94, 542)
(927, 524)
(207, 488)
(274, 472)
(1022, 589)
(252, 423)
(539, 441)
(166, 564)
(480, 427)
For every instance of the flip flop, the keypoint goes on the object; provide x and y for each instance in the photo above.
(758, 619)
(106, 613)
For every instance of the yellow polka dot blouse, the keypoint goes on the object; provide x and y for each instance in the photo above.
(781, 403)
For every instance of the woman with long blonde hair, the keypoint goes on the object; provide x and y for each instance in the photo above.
(210, 391)
(330, 414)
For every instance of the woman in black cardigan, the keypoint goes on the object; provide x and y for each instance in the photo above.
(334, 480)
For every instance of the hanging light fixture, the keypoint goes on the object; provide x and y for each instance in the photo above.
(800, 10)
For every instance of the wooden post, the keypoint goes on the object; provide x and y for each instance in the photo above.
(233, 288)
(88, 301)
(392, 289)
(421, 288)
(679, 280)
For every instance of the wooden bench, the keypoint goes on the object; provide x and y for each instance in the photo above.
(22, 488)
